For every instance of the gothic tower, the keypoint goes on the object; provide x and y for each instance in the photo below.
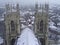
(12, 24)
(41, 24)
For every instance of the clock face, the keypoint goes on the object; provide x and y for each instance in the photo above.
(12, 26)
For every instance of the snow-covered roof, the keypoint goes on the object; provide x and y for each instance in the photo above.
(58, 29)
(1, 40)
(32, 22)
(51, 23)
(27, 37)
(58, 23)
(13, 10)
(40, 10)
(26, 12)
(1, 19)
(22, 19)
(23, 26)
(30, 25)
(29, 20)
(53, 27)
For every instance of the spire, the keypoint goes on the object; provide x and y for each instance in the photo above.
(7, 8)
(11, 8)
(46, 7)
(42, 9)
(17, 8)
(40, 6)
(36, 7)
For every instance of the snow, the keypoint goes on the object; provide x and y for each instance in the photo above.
(53, 27)
(27, 37)
(1, 19)
(33, 17)
(58, 29)
(51, 23)
(29, 20)
(58, 23)
(23, 26)
(32, 22)
(40, 10)
(59, 41)
(22, 19)
(31, 13)
(30, 25)
(1, 40)
(26, 12)
(13, 10)
(4, 13)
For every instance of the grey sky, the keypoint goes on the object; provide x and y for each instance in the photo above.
(27, 2)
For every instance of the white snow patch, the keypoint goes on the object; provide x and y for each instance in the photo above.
(32, 22)
(51, 23)
(40, 10)
(23, 26)
(1, 40)
(30, 25)
(29, 20)
(1, 19)
(53, 27)
(58, 24)
(13, 10)
(31, 13)
(27, 37)
(26, 12)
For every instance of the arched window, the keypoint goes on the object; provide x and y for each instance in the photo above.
(41, 26)
(12, 26)
(13, 41)
(42, 40)
(38, 25)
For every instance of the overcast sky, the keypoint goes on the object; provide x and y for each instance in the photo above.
(29, 2)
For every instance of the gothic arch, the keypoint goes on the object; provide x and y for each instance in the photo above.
(41, 26)
(42, 40)
(13, 41)
(12, 26)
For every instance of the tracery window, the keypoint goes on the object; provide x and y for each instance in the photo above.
(38, 25)
(12, 26)
(41, 26)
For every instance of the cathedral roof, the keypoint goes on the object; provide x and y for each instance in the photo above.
(27, 37)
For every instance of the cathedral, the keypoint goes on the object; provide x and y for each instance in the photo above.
(12, 24)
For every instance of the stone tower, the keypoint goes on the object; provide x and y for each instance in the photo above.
(41, 24)
(12, 24)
